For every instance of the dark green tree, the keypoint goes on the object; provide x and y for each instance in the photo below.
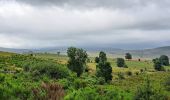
(121, 62)
(103, 67)
(128, 56)
(77, 60)
(97, 59)
(102, 57)
(164, 60)
(157, 64)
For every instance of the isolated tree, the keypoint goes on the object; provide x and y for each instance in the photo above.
(164, 60)
(103, 67)
(102, 57)
(157, 64)
(121, 62)
(128, 56)
(77, 60)
(97, 59)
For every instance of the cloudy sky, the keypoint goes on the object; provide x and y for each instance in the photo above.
(129, 24)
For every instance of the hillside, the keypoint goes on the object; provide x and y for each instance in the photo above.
(112, 52)
(145, 53)
(2, 53)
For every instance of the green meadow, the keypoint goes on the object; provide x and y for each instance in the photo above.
(45, 76)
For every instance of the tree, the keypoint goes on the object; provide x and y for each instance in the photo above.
(128, 56)
(97, 59)
(164, 60)
(103, 67)
(157, 64)
(77, 60)
(121, 62)
(102, 57)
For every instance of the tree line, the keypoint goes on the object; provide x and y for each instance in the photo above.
(78, 57)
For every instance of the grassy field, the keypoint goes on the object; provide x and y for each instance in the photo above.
(131, 78)
(143, 68)
(133, 65)
(6, 53)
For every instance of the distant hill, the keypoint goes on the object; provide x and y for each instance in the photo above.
(93, 51)
(14, 50)
(145, 53)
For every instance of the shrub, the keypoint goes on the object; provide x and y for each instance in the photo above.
(83, 94)
(98, 93)
(157, 65)
(164, 60)
(48, 91)
(167, 84)
(120, 62)
(129, 73)
(125, 66)
(101, 81)
(79, 83)
(137, 73)
(141, 70)
(147, 92)
(52, 70)
(2, 78)
(121, 75)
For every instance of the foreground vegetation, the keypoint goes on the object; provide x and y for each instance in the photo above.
(79, 77)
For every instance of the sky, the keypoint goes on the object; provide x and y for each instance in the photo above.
(128, 24)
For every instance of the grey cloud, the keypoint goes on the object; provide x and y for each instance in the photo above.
(97, 3)
(81, 3)
(23, 23)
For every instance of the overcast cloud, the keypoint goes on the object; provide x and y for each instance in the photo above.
(115, 23)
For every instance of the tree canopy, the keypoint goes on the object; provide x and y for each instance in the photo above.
(128, 56)
(77, 60)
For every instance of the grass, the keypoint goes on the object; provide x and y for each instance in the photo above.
(130, 83)
(2, 53)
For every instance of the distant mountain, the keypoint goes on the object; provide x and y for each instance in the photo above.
(145, 53)
(14, 50)
(93, 51)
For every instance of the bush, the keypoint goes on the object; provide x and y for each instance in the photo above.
(101, 81)
(167, 84)
(79, 83)
(147, 92)
(83, 94)
(98, 93)
(125, 66)
(164, 60)
(2, 78)
(120, 62)
(52, 70)
(121, 75)
(141, 70)
(157, 65)
(48, 91)
(129, 73)
(137, 73)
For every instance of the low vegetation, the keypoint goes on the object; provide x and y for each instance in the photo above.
(79, 77)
